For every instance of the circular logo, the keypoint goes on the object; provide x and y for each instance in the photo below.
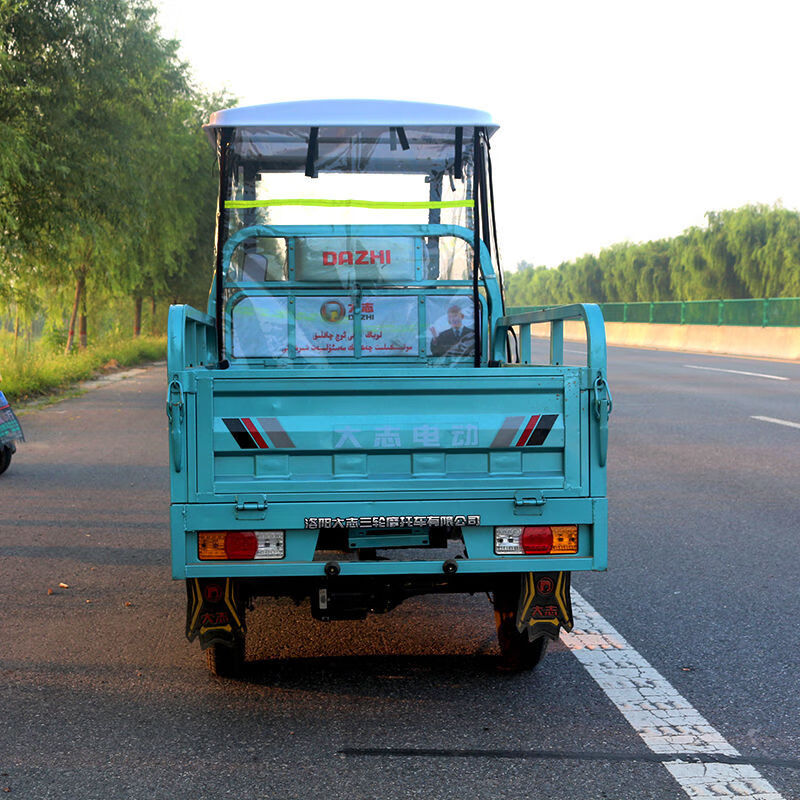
(212, 592)
(545, 586)
(332, 311)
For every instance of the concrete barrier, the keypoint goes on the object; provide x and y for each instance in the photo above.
(733, 340)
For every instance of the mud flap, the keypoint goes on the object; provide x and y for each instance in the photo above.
(545, 605)
(214, 611)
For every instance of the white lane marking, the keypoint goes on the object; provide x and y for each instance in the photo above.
(739, 372)
(778, 421)
(666, 721)
(721, 780)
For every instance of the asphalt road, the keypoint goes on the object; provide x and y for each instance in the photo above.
(102, 697)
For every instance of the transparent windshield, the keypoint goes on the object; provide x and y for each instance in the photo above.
(352, 176)
(349, 150)
(343, 243)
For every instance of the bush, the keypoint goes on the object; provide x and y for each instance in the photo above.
(41, 372)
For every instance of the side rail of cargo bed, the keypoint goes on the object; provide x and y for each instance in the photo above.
(596, 355)
(589, 313)
(191, 343)
(191, 340)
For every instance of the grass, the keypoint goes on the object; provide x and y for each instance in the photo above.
(40, 371)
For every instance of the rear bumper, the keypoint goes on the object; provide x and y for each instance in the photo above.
(590, 514)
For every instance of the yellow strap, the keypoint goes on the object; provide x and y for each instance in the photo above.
(351, 203)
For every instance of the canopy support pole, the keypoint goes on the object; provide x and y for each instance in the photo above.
(478, 194)
(224, 136)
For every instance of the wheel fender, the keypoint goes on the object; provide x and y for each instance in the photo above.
(545, 605)
(214, 611)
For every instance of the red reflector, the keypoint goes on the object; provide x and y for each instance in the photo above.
(536, 540)
(241, 544)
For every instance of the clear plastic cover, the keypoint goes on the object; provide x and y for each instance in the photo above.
(315, 327)
(351, 150)
(349, 244)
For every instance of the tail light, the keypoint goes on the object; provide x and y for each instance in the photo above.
(536, 540)
(240, 545)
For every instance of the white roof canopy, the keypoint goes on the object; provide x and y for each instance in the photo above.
(349, 113)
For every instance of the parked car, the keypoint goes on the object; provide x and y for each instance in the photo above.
(10, 433)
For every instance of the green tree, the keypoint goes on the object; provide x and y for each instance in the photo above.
(106, 182)
(752, 251)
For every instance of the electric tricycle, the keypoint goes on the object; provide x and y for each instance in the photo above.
(10, 433)
(356, 419)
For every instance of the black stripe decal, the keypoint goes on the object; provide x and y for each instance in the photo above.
(541, 431)
(240, 433)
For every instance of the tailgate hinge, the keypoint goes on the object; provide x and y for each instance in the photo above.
(252, 507)
(529, 502)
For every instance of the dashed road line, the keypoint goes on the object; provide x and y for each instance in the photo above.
(739, 372)
(666, 721)
(778, 421)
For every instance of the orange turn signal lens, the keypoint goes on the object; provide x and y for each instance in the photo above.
(565, 539)
(211, 545)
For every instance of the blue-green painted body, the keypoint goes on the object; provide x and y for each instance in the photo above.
(445, 455)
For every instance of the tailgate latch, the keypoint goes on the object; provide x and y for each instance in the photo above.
(175, 415)
(603, 404)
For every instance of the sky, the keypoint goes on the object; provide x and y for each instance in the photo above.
(620, 121)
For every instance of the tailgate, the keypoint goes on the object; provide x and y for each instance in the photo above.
(458, 433)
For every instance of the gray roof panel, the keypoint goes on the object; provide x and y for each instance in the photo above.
(350, 113)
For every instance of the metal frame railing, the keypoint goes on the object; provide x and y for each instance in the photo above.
(759, 313)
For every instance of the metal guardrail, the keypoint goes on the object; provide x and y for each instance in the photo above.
(766, 312)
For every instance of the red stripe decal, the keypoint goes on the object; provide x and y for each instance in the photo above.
(248, 423)
(528, 430)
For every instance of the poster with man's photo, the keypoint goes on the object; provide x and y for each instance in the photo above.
(451, 325)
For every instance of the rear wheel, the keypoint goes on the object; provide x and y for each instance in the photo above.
(224, 661)
(517, 652)
(5, 458)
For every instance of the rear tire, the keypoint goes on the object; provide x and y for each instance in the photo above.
(517, 652)
(5, 458)
(224, 661)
